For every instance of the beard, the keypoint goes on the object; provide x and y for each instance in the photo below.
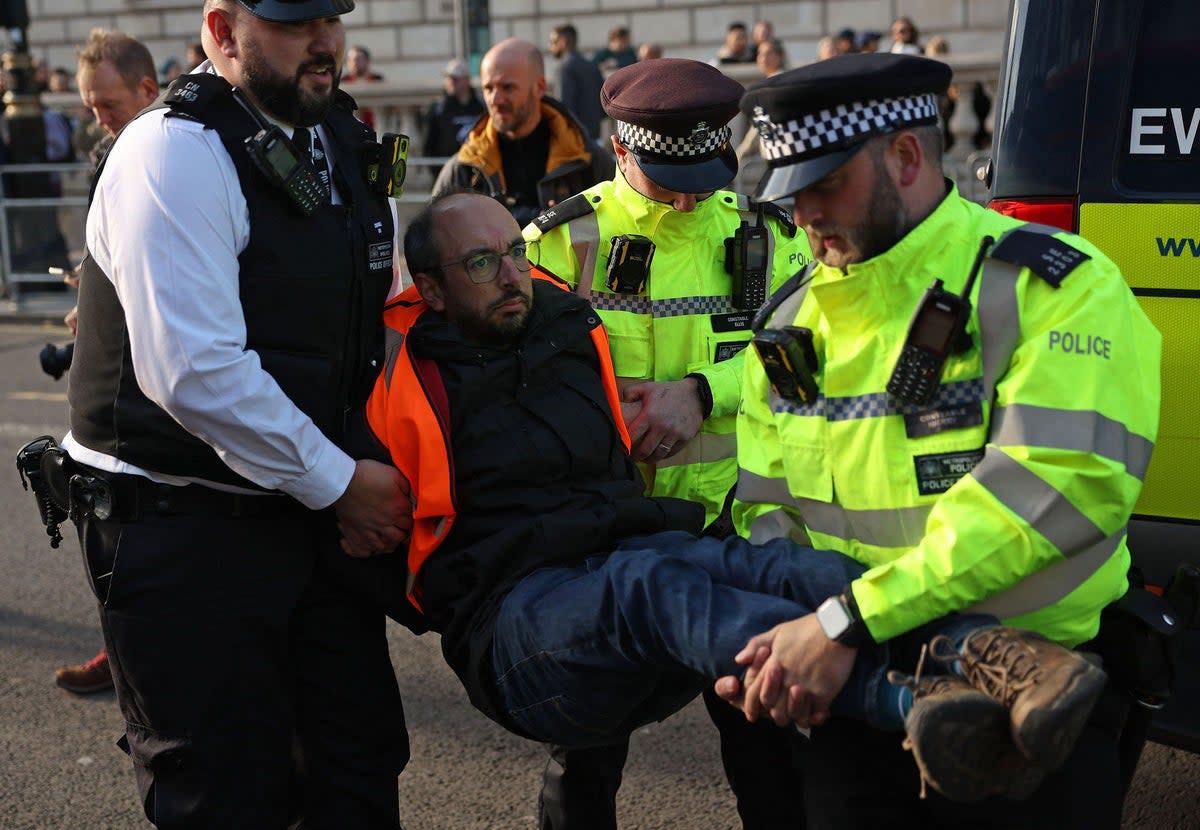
(486, 329)
(518, 115)
(886, 223)
(284, 98)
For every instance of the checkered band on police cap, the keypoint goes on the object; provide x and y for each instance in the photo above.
(701, 143)
(814, 134)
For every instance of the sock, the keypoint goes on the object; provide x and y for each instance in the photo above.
(894, 704)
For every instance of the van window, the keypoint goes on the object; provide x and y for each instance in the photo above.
(1045, 87)
(1161, 152)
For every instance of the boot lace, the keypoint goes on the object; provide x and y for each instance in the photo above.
(1001, 666)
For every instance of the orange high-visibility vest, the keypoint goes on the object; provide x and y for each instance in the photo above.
(408, 411)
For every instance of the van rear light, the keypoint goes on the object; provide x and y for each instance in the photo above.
(1057, 212)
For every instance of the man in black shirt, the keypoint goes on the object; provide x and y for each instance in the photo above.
(451, 117)
(528, 152)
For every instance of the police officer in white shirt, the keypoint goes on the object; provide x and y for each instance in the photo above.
(232, 319)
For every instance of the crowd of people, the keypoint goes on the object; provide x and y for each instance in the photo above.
(627, 438)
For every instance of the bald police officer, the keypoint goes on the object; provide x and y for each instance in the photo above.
(676, 266)
(938, 432)
(229, 319)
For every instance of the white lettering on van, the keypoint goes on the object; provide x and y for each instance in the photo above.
(1142, 130)
(1188, 136)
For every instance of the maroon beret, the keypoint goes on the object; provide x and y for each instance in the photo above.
(673, 115)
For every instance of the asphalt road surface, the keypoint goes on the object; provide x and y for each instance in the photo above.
(59, 767)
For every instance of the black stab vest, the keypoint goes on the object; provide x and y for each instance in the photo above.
(312, 291)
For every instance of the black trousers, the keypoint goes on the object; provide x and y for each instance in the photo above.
(579, 787)
(256, 690)
(857, 778)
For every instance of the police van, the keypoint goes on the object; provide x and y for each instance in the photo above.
(1097, 131)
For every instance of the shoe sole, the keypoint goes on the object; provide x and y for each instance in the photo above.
(965, 751)
(1048, 734)
(83, 690)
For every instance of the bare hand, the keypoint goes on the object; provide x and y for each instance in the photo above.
(72, 320)
(799, 680)
(669, 417)
(375, 513)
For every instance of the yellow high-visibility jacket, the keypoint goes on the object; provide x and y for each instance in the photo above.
(1010, 492)
(684, 322)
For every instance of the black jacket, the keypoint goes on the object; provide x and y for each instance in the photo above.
(541, 476)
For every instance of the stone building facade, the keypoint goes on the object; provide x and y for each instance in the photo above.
(410, 40)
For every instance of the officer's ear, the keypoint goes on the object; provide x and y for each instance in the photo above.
(432, 289)
(907, 157)
(218, 25)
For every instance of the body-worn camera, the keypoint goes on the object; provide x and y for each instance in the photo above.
(746, 263)
(789, 360)
(287, 168)
(629, 263)
(386, 164)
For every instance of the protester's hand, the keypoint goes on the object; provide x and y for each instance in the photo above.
(375, 513)
(72, 320)
(800, 678)
(670, 416)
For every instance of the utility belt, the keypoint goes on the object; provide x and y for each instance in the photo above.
(66, 489)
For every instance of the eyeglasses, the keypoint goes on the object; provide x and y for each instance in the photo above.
(483, 266)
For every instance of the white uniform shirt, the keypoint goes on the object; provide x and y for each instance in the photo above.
(166, 224)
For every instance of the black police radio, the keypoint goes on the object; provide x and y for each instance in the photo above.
(285, 167)
(385, 163)
(936, 331)
(746, 263)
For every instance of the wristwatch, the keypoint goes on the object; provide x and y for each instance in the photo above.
(839, 620)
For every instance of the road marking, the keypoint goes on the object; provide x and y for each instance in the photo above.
(59, 397)
(31, 431)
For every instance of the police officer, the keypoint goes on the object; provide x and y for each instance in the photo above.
(949, 437)
(239, 265)
(676, 266)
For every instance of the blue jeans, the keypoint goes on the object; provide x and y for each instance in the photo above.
(585, 654)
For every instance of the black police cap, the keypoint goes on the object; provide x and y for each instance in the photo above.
(296, 11)
(673, 114)
(813, 119)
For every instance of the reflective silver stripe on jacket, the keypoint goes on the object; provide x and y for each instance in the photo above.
(1036, 503)
(1024, 425)
(703, 448)
(585, 242)
(776, 524)
(893, 527)
(1050, 584)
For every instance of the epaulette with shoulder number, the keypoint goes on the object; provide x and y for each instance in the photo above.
(190, 94)
(565, 211)
(782, 216)
(1034, 247)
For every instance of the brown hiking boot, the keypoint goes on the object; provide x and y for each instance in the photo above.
(87, 678)
(1049, 690)
(962, 741)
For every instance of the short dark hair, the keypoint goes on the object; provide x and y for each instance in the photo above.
(365, 51)
(421, 253)
(619, 31)
(929, 135)
(735, 25)
(569, 33)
